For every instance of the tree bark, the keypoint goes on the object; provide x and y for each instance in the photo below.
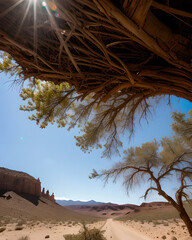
(186, 219)
(137, 10)
(177, 205)
(154, 35)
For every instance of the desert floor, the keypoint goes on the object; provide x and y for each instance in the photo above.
(172, 229)
(117, 231)
(39, 230)
(114, 230)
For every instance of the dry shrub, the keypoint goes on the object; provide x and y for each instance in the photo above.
(2, 229)
(173, 238)
(24, 238)
(18, 228)
(95, 234)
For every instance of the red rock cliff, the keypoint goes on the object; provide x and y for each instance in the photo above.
(19, 182)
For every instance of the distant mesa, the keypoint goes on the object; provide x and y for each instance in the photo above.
(22, 183)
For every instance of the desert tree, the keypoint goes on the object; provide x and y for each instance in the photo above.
(156, 163)
(101, 124)
(118, 54)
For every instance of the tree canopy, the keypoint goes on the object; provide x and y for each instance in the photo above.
(101, 124)
(98, 122)
(121, 52)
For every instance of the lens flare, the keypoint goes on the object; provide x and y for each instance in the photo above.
(52, 5)
(44, 4)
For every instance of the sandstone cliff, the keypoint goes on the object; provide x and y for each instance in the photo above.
(19, 182)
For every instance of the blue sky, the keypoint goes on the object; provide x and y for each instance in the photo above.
(51, 153)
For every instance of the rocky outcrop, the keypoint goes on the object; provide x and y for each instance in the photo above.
(47, 195)
(19, 182)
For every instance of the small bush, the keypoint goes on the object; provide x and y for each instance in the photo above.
(173, 238)
(137, 210)
(156, 223)
(20, 223)
(163, 237)
(24, 238)
(2, 229)
(18, 228)
(95, 234)
(165, 224)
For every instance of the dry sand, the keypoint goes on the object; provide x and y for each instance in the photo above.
(161, 229)
(39, 231)
(114, 230)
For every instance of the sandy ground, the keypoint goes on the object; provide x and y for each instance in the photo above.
(114, 230)
(39, 231)
(160, 229)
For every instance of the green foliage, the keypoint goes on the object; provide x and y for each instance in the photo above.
(60, 104)
(50, 102)
(182, 125)
(101, 121)
(93, 234)
(8, 65)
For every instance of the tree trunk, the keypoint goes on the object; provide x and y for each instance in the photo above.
(178, 206)
(186, 219)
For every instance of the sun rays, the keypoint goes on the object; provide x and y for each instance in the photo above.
(24, 17)
(32, 5)
(10, 8)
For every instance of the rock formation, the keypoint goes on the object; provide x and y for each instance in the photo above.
(19, 182)
(47, 195)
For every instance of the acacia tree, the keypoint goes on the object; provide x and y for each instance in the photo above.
(119, 54)
(98, 122)
(148, 163)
